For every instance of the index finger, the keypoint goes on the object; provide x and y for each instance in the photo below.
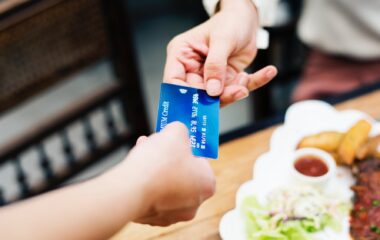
(174, 71)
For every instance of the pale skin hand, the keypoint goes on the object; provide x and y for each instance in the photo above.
(159, 183)
(181, 181)
(213, 55)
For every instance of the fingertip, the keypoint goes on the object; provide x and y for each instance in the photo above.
(141, 139)
(271, 72)
(177, 127)
(261, 77)
(214, 87)
(272, 66)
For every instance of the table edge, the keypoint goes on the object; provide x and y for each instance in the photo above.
(278, 119)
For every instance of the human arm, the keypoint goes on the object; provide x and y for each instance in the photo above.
(153, 185)
(214, 54)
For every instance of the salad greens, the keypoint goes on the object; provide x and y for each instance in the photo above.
(292, 214)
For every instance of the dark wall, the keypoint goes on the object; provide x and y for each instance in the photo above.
(143, 9)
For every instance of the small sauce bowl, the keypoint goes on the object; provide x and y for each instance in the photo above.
(312, 166)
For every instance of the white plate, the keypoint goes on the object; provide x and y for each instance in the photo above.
(270, 171)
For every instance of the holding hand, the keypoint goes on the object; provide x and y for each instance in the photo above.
(213, 55)
(173, 182)
(159, 183)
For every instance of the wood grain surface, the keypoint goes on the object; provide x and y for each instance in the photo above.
(233, 168)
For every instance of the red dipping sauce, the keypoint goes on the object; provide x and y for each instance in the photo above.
(311, 166)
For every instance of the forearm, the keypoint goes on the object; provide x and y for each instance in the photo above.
(237, 4)
(214, 6)
(265, 9)
(95, 209)
(245, 8)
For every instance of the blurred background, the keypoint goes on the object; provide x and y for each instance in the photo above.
(79, 81)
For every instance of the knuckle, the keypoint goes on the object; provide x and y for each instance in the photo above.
(209, 188)
(214, 69)
(253, 84)
(214, 66)
(174, 42)
(170, 45)
(252, 49)
(257, 81)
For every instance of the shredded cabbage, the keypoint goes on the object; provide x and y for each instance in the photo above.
(292, 214)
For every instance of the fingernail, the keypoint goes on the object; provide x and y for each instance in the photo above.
(213, 87)
(270, 73)
(240, 95)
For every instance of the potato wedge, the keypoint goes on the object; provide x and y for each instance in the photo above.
(354, 138)
(362, 151)
(377, 154)
(328, 141)
(335, 156)
(369, 149)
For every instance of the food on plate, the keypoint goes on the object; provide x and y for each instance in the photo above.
(369, 148)
(311, 166)
(292, 213)
(345, 147)
(328, 141)
(305, 208)
(352, 140)
(365, 216)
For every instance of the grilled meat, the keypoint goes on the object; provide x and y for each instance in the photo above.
(365, 216)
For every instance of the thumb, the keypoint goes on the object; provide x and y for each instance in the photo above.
(141, 139)
(176, 130)
(215, 69)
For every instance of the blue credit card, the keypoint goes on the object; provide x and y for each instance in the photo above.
(197, 110)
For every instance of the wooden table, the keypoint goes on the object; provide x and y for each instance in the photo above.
(233, 168)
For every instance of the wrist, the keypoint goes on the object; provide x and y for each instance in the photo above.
(238, 5)
(127, 190)
(242, 7)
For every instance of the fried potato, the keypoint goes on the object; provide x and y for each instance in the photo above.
(336, 158)
(369, 149)
(328, 141)
(362, 151)
(377, 154)
(354, 138)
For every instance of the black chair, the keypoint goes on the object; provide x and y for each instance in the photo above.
(41, 44)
